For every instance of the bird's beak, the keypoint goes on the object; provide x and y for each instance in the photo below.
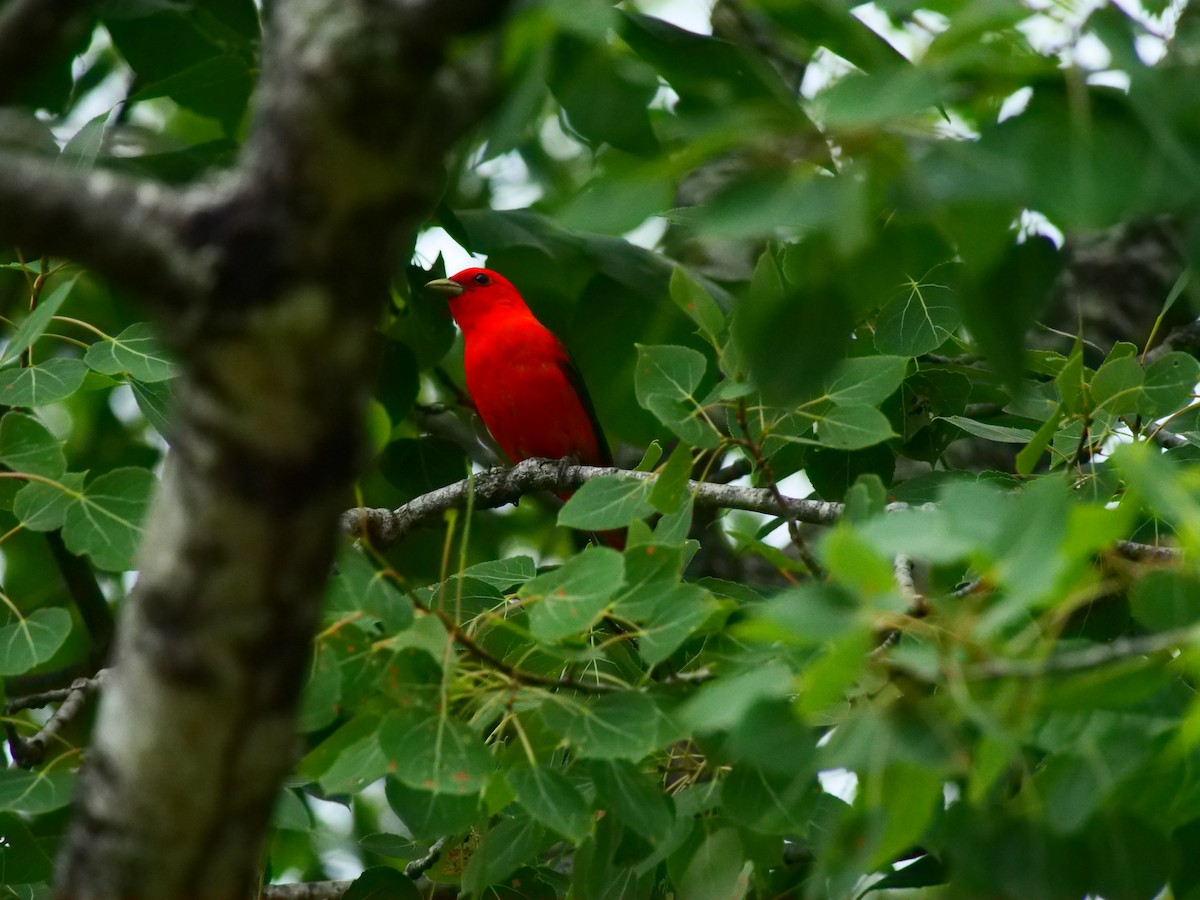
(445, 286)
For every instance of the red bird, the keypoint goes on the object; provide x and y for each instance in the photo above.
(520, 376)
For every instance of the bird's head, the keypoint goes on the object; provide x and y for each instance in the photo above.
(475, 293)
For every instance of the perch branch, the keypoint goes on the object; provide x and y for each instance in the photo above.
(500, 486)
(305, 890)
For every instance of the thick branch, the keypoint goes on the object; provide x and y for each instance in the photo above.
(124, 229)
(285, 266)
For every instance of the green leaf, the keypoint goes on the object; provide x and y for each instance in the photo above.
(43, 507)
(502, 574)
(36, 323)
(105, 521)
(609, 501)
(1004, 434)
(551, 799)
(22, 859)
(678, 611)
(218, 86)
(917, 321)
(505, 848)
(715, 870)
(31, 641)
(698, 304)
(393, 845)
(359, 587)
(429, 815)
(650, 458)
(27, 446)
(772, 802)
(1170, 384)
(569, 599)
(665, 383)
(826, 680)
(927, 871)
(637, 801)
(48, 382)
(1069, 381)
(614, 726)
(85, 145)
(322, 691)
(853, 427)
(721, 704)
(668, 491)
(155, 400)
(382, 883)
(861, 101)
(909, 795)
(1003, 298)
(347, 760)
(603, 93)
(291, 813)
(866, 380)
(1164, 599)
(1117, 387)
(136, 352)
(32, 793)
(1028, 458)
(418, 465)
(434, 752)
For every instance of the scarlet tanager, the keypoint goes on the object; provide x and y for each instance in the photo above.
(520, 376)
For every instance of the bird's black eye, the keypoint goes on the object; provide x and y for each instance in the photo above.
(481, 279)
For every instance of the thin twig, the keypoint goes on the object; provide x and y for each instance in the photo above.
(764, 468)
(419, 867)
(29, 752)
(1088, 658)
(518, 675)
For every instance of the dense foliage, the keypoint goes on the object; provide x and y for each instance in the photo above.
(976, 673)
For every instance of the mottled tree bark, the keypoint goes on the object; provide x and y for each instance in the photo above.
(270, 281)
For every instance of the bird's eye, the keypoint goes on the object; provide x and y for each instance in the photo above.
(482, 279)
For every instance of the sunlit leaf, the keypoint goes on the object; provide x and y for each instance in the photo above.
(47, 382)
(569, 599)
(33, 792)
(33, 639)
(551, 799)
(36, 323)
(607, 502)
(666, 382)
(853, 427)
(27, 446)
(434, 752)
(105, 521)
(42, 506)
(135, 352)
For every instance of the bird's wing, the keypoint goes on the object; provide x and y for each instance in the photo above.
(567, 366)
